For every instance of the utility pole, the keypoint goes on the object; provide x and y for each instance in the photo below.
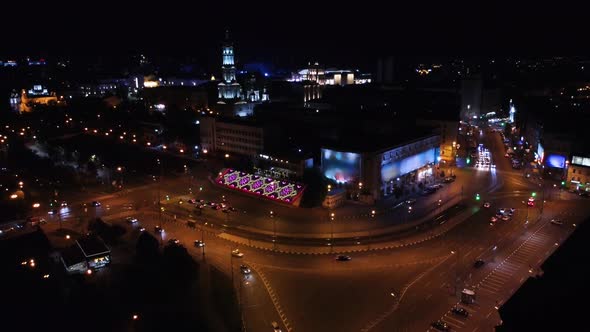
(159, 200)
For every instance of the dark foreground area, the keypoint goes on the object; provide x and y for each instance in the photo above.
(555, 300)
(158, 290)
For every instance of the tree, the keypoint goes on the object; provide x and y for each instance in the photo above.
(179, 264)
(317, 188)
(147, 248)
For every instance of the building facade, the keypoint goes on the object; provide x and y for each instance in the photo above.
(232, 137)
(379, 172)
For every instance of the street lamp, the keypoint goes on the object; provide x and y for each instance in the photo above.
(274, 229)
(329, 187)
(332, 215)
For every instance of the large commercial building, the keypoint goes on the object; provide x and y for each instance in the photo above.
(379, 170)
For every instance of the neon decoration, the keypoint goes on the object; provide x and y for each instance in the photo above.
(283, 191)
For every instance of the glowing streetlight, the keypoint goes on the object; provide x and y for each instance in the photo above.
(373, 213)
(226, 155)
(329, 187)
(13, 196)
(135, 317)
(89, 272)
(67, 237)
(119, 169)
(36, 205)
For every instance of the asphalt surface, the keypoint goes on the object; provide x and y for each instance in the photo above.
(318, 293)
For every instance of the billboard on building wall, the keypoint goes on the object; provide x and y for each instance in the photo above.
(556, 161)
(340, 166)
(394, 169)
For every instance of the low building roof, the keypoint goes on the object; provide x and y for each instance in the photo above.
(92, 245)
(72, 256)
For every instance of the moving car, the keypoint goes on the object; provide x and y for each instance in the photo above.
(64, 204)
(192, 201)
(275, 327)
(173, 241)
(460, 311)
(486, 205)
(142, 229)
(506, 218)
(448, 179)
(478, 263)
(493, 219)
(441, 326)
(410, 201)
(131, 220)
(343, 258)
(95, 203)
(237, 253)
(245, 269)
(199, 243)
(556, 222)
(158, 229)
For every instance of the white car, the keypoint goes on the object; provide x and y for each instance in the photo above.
(237, 253)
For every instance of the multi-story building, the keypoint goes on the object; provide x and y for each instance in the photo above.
(578, 173)
(234, 136)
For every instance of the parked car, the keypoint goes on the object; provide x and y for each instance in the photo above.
(237, 253)
(192, 201)
(343, 258)
(478, 263)
(506, 218)
(460, 311)
(199, 243)
(556, 222)
(158, 229)
(441, 326)
(245, 269)
(173, 241)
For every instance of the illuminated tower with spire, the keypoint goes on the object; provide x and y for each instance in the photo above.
(229, 89)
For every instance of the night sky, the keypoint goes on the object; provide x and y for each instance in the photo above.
(290, 33)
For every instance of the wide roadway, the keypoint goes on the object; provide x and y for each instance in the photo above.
(315, 293)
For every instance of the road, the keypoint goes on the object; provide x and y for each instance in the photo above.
(317, 293)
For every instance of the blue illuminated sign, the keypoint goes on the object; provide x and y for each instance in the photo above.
(556, 161)
(394, 169)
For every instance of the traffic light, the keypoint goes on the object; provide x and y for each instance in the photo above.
(201, 188)
(563, 183)
(468, 160)
(477, 198)
(534, 194)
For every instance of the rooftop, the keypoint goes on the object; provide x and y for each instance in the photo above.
(363, 143)
(92, 245)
